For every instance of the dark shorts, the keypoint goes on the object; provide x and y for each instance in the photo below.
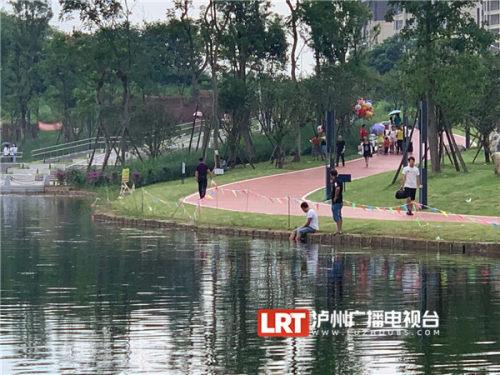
(305, 230)
(367, 154)
(410, 193)
(337, 211)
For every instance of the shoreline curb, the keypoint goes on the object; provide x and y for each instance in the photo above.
(348, 240)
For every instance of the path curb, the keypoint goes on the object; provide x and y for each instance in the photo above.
(347, 240)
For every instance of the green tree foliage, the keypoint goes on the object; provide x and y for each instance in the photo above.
(438, 31)
(384, 56)
(152, 126)
(251, 41)
(485, 108)
(24, 35)
(282, 107)
(335, 28)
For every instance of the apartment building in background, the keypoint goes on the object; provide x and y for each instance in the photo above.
(486, 13)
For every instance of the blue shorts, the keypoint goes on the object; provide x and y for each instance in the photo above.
(304, 230)
(337, 211)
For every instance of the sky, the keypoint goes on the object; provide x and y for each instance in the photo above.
(155, 10)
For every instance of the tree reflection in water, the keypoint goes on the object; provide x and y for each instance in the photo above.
(85, 297)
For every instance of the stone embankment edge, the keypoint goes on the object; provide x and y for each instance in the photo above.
(55, 190)
(345, 240)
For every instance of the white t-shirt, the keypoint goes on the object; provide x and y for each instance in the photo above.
(6, 151)
(311, 214)
(411, 174)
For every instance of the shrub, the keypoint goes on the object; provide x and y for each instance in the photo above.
(96, 178)
(75, 177)
(60, 176)
(136, 178)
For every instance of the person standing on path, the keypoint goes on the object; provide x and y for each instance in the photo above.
(13, 152)
(367, 149)
(311, 225)
(410, 182)
(337, 201)
(340, 150)
(399, 138)
(201, 176)
(6, 153)
(315, 149)
(363, 133)
(397, 120)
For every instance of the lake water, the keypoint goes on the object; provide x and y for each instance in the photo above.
(85, 298)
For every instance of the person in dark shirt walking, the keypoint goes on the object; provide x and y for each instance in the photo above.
(337, 201)
(367, 150)
(201, 176)
(340, 150)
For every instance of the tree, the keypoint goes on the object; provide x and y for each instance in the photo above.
(384, 56)
(212, 28)
(337, 39)
(436, 29)
(281, 109)
(62, 72)
(335, 28)
(250, 41)
(21, 78)
(152, 126)
(486, 109)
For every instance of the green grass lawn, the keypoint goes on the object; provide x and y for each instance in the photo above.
(160, 201)
(476, 192)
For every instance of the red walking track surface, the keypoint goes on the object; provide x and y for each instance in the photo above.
(281, 194)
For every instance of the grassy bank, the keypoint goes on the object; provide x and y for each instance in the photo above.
(470, 193)
(160, 201)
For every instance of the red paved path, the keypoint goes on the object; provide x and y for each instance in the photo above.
(269, 194)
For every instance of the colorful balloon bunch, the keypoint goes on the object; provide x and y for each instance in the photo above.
(364, 109)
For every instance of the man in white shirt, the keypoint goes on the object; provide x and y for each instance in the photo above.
(410, 183)
(311, 225)
(13, 152)
(6, 154)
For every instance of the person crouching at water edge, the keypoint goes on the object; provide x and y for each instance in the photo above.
(410, 182)
(201, 175)
(311, 225)
(336, 201)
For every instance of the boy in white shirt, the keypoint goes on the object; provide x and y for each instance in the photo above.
(311, 225)
(410, 183)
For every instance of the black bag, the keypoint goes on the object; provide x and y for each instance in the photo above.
(401, 194)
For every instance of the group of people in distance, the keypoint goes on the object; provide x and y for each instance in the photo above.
(9, 153)
(318, 147)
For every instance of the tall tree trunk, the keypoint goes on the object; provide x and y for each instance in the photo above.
(486, 148)
(432, 134)
(293, 60)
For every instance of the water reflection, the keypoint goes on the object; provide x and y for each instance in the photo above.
(85, 298)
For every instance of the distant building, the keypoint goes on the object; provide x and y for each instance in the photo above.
(378, 29)
(488, 13)
(485, 12)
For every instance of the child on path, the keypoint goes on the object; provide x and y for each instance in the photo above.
(387, 144)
